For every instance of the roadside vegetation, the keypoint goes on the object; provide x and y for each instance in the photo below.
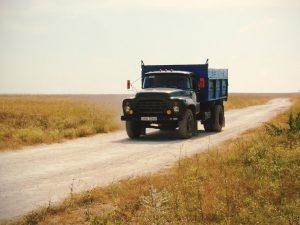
(242, 100)
(35, 119)
(253, 179)
(29, 120)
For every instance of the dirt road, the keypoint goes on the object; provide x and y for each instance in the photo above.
(32, 177)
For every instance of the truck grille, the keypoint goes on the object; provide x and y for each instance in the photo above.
(150, 106)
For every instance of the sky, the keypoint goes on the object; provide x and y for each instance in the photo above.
(92, 47)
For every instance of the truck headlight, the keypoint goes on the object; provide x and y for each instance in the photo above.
(127, 108)
(176, 105)
(176, 109)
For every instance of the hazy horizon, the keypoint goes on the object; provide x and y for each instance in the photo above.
(133, 92)
(93, 47)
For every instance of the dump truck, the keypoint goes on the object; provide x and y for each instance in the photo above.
(176, 97)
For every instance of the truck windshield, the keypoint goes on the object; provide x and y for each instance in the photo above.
(166, 81)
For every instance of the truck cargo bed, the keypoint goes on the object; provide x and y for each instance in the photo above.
(215, 80)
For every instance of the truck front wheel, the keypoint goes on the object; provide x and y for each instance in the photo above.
(134, 129)
(187, 125)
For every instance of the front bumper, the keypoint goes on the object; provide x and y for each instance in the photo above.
(160, 118)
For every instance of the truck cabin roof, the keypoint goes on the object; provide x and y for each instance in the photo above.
(169, 72)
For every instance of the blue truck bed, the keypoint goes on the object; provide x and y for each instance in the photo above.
(215, 80)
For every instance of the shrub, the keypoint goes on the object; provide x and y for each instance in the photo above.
(292, 122)
(54, 135)
(69, 133)
(85, 131)
(294, 126)
(29, 135)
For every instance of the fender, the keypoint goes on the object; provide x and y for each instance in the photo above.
(188, 102)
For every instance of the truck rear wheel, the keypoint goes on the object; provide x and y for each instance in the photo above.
(187, 125)
(217, 120)
(134, 129)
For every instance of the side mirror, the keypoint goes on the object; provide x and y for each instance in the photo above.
(128, 84)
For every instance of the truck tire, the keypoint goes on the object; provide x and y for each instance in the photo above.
(216, 121)
(217, 118)
(186, 127)
(133, 129)
(207, 125)
(195, 126)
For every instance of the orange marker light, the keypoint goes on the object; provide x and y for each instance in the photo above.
(128, 84)
(201, 83)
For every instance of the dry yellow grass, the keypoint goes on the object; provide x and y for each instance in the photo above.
(240, 100)
(250, 180)
(28, 120)
(33, 119)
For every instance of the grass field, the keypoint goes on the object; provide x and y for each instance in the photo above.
(249, 180)
(34, 119)
(241, 100)
(28, 120)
